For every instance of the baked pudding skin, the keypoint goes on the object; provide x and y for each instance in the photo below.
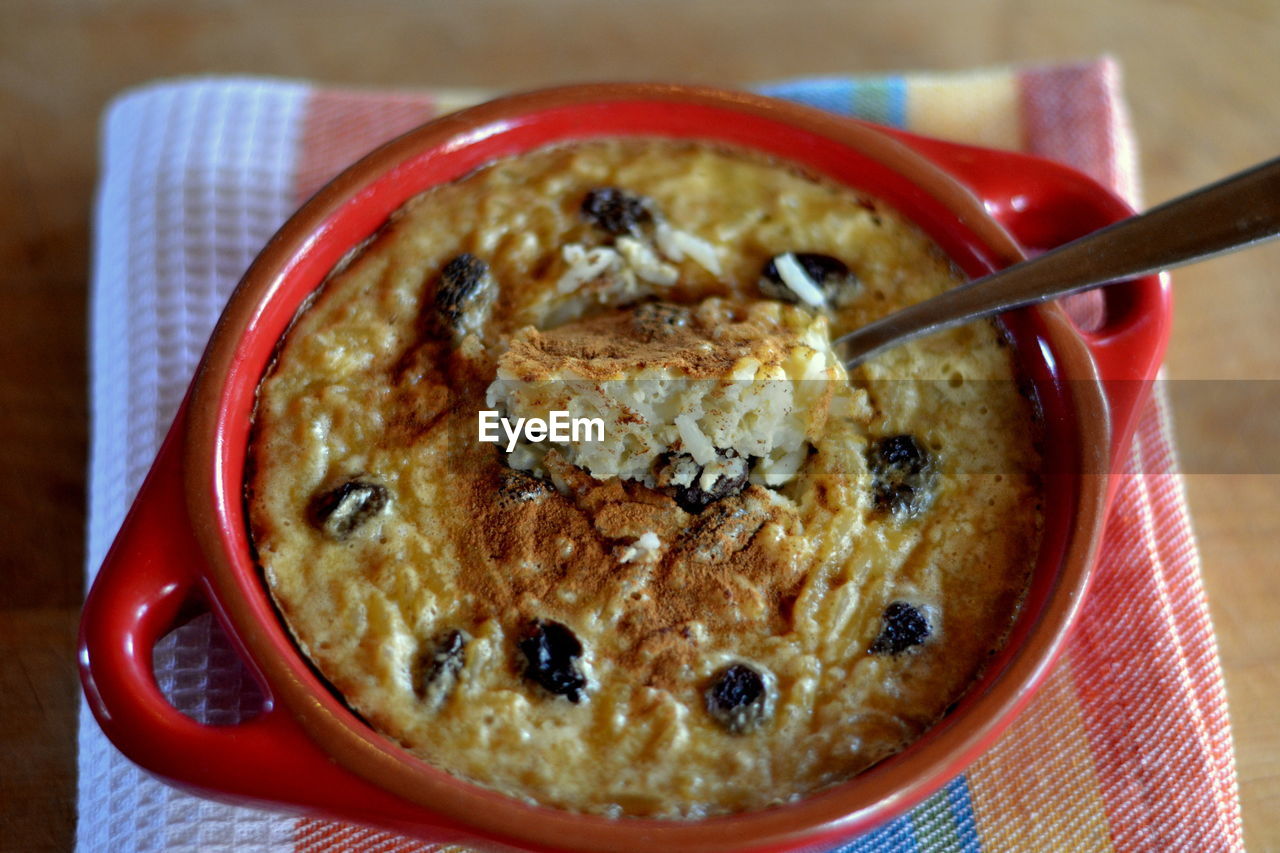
(699, 629)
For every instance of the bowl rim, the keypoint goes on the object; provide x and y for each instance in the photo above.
(902, 782)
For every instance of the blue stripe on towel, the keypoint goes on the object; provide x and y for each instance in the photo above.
(834, 94)
(878, 99)
(897, 836)
(962, 809)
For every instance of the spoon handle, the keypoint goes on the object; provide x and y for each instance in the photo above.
(1231, 214)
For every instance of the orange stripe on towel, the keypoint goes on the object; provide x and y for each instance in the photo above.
(1149, 689)
(322, 836)
(342, 126)
(1028, 791)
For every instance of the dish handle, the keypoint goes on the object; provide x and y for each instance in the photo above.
(1044, 204)
(151, 580)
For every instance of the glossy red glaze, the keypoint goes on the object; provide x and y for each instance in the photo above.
(186, 536)
(1045, 204)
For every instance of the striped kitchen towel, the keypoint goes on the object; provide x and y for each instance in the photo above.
(1126, 746)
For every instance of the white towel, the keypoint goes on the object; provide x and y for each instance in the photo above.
(196, 176)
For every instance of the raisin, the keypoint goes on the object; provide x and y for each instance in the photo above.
(722, 531)
(459, 281)
(659, 319)
(436, 671)
(616, 211)
(551, 652)
(738, 698)
(464, 294)
(904, 627)
(831, 275)
(517, 487)
(671, 470)
(903, 475)
(340, 511)
(692, 497)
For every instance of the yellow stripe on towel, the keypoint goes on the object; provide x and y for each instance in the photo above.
(977, 107)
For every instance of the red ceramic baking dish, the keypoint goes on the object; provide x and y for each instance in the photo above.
(186, 538)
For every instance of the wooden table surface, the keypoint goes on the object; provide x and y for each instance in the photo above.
(1202, 78)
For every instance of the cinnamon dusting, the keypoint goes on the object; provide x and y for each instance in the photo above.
(620, 344)
(557, 557)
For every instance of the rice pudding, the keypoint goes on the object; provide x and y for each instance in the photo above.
(768, 576)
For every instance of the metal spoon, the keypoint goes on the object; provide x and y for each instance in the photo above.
(1231, 214)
